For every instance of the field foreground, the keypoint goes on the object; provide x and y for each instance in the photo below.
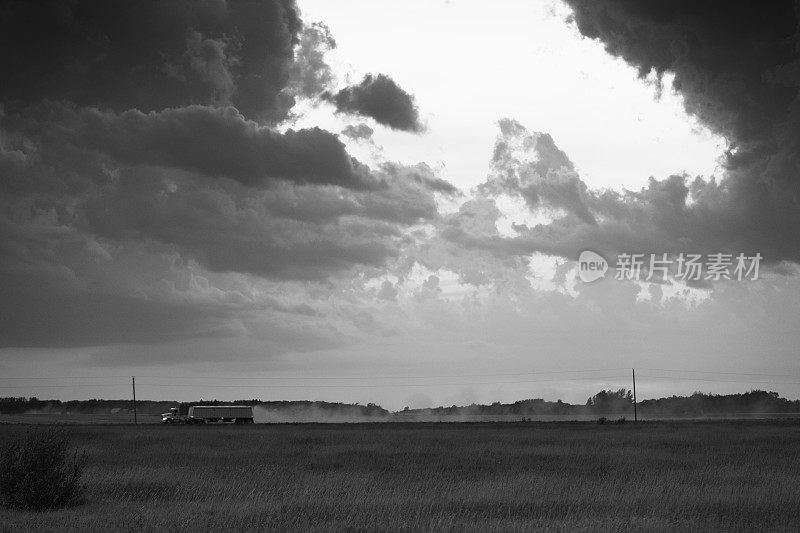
(555, 476)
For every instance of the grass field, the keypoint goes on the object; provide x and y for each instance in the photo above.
(719, 475)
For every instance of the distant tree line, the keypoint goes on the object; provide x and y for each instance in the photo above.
(620, 401)
(699, 404)
(20, 405)
(536, 406)
(604, 402)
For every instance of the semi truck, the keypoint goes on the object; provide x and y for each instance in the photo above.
(204, 414)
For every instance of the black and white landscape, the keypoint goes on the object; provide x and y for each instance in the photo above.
(410, 212)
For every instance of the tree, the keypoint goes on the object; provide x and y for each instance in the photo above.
(610, 401)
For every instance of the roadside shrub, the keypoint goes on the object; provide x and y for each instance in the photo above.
(37, 471)
(621, 420)
(601, 420)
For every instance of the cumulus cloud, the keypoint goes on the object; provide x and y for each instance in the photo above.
(359, 132)
(532, 166)
(380, 98)
(672, 215)
(311, 74)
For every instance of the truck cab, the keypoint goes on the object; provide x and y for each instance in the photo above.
(172, 417)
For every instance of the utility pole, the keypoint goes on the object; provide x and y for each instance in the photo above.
(133, 383)
(635, 416)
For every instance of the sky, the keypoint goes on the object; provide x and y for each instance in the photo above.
(374, 201)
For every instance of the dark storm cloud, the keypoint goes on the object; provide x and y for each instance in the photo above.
(735, 62)
(149, 54)
(221, 142)
(215, 141)
(286, 232)
(380, 98)
(209, 225)
(737, 65)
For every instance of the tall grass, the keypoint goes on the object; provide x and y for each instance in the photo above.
(653, 476)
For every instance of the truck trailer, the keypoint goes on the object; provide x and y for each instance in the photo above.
(204, 414)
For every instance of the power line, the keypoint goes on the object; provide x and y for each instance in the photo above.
(360, 385)
(431, 376)
(61, 377)
(717, 372)
(711, 380)
(328, 377)
(169, 381)
(390, 376)
(72, 386)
